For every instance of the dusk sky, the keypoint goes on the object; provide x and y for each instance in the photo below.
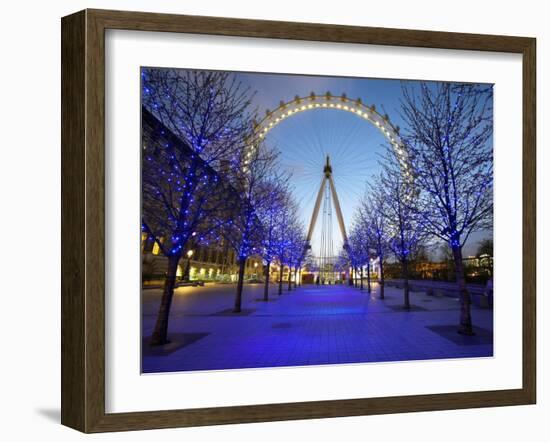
(354, 145)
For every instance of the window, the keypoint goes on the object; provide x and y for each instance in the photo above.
(156, 248)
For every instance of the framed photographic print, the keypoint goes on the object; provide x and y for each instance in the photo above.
(268, 221)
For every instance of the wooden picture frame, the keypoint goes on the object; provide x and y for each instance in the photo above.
(83, 220)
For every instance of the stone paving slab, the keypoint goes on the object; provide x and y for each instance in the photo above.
(177, 342)
(230, 312)
(481, 335)
(312, 325)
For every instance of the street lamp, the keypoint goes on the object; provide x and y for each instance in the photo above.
(188, 267)
(255, 270)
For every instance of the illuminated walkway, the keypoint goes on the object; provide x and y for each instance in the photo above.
(308, 326)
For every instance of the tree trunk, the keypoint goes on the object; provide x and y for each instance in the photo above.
(465, 327)
(405, 269)
(187, 276)
(368, 277)
(266, 283)
(160, 333)
(381, 282)
(239, 293)
(361, 278)
(289, 278)
(281, 279)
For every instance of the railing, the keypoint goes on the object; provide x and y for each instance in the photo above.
(481, 295)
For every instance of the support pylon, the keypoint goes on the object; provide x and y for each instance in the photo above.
(327, 177)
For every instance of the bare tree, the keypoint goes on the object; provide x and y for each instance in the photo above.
(342, 262)
(405, 232)
(294, 252)
(269, 213)
(303, 253)
(358, 248)
(485, 247)
(283, 237)
(376, 223)
(184, 193)
(449, 141)
(245, 230)
(352, 252)
(366, 244)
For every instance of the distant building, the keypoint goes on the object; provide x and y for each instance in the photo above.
(206, 263)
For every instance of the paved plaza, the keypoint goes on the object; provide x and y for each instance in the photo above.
(310, 325)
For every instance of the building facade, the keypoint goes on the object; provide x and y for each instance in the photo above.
(200, 262)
